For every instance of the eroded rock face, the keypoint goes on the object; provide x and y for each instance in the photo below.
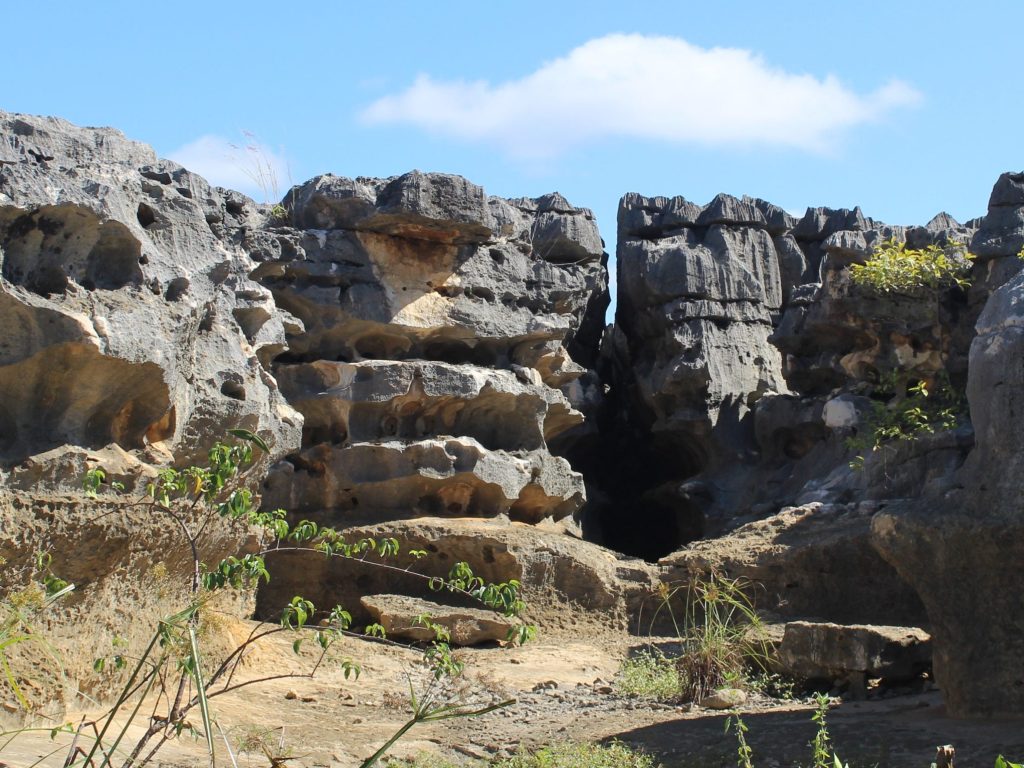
(132, 338)
(741, 360)
(436, 355)
(119, 294)
(958, 550)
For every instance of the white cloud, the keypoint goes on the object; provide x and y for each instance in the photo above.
(246, 165)
(636, 86)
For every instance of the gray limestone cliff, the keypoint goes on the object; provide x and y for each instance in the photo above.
(430, 362)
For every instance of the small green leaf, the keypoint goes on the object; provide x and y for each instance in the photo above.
(252, 437)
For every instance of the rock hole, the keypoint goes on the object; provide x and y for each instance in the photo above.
(8, 431)
(48, 280)
(161, 177)
(113, 261)
(209, 317)
(483, 293)
(234, 207)
(163, 428)
(389, 426)
(649, 512)
(177, 288)
(233, 389)
(146, 216)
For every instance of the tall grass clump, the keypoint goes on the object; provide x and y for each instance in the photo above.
(720, 634)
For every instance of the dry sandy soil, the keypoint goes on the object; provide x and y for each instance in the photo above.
(561, 686)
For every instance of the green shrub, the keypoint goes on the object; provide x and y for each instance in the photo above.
(650, 674)
(721, 636)
(895, 268)
(909, 411)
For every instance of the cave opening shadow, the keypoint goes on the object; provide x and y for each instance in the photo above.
(640, 507)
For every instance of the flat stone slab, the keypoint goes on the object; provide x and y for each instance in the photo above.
(468, 626)
(817, 650)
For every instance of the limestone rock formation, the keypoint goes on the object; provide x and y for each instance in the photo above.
(443, 335)
(959, 550)
(121, 293)
(743, 359)
(132, 337)
(739, 352)
(429, 340)
(430, 362)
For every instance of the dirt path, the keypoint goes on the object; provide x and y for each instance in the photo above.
(561, 684)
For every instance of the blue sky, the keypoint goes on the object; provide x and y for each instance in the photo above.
(903, 108)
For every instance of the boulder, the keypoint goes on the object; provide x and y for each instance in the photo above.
(826, 651)
(407, 618)
(724, 698)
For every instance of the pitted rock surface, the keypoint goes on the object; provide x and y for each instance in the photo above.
(120, 292)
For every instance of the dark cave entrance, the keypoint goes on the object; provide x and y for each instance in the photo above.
(639, 501)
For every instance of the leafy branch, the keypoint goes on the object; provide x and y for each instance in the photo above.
(171, 671)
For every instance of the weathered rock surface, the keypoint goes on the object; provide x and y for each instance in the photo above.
(405, 617)
(813, 560)
(826, 651)
(120, 292)
(444, 333)
(960, 551)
